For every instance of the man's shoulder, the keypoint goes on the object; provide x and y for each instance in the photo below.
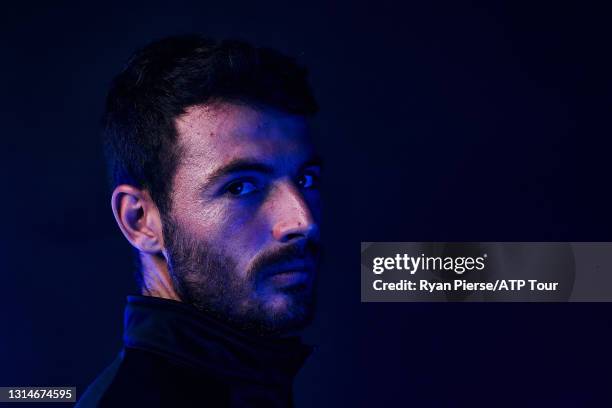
(96, 390)
(142, 378)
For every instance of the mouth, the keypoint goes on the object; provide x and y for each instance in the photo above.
(290, 278)
(290, 273)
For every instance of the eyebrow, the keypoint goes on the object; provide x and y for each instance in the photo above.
(244, 165)
(237, 166)
(312, 162)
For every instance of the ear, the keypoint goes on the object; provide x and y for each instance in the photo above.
(138, 218)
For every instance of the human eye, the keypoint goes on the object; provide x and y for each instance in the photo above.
(308, 180)
(240, 188)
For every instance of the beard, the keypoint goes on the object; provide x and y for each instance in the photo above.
(208, 279)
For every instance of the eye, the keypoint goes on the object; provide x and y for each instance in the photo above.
(307, 180)
(240, 188)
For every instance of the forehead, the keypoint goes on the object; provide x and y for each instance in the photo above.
(213, 134)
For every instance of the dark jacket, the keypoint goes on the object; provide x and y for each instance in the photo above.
(176, 356)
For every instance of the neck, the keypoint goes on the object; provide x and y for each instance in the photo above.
(156, 280)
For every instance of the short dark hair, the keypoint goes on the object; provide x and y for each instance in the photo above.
(169, 75)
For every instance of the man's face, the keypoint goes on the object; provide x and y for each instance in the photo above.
(242, 233)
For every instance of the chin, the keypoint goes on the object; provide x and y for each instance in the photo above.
(288, 312)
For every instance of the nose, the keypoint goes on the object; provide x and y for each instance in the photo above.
(292, 218)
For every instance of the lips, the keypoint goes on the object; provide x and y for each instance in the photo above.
(287, 267)
(291, 272)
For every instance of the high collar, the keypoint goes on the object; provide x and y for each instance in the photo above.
(188, 336)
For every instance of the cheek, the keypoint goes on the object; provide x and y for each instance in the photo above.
(202, 223)
(245, 236)
(313, 199)
(238, 233)
(251, 233)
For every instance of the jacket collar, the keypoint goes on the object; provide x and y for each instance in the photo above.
(184, 334)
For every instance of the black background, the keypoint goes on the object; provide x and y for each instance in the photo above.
(440, 121)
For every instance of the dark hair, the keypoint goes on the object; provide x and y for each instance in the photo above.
(167, 76)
